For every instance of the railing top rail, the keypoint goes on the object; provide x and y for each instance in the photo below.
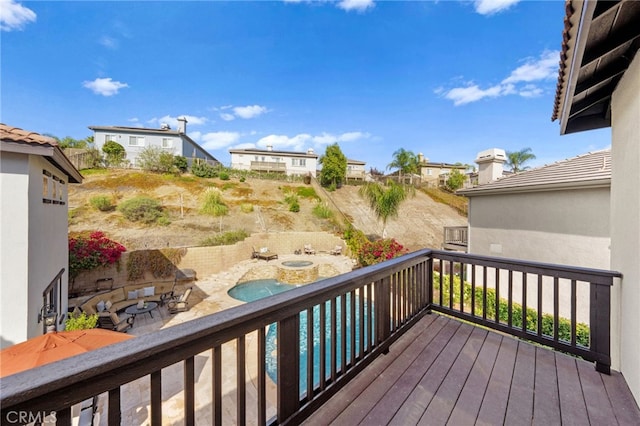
(92, 372)
(596, 276)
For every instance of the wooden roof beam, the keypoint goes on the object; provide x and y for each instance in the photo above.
(621, 37)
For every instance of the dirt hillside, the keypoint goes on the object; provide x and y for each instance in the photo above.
(254, 206)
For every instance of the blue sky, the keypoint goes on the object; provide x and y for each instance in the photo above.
(444, 78)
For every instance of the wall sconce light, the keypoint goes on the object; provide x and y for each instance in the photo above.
(48, 316)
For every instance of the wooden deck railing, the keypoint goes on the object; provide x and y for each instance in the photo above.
(352, 318)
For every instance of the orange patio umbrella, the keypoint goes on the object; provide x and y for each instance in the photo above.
(55, 346)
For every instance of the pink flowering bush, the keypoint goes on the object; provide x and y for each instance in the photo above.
(374, 252)
(87, 251)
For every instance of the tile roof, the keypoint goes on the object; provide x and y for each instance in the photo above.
(563, 58)
(591, 169)
(272, 152)
(16, 134)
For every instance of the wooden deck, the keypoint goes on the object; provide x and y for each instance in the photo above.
(443, 371)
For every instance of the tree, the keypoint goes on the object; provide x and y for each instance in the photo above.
(155, 159)
(455, 180)
(405, 161)
(385, 200)
(516, 159)
(334, 166)
(114, 152)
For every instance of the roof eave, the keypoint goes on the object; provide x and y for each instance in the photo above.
(558, 186)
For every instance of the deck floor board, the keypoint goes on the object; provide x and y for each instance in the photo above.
(458, 374)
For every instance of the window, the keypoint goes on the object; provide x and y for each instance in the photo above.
(45, 184)
(136, 140)
(276, 159)
(429, 172)
(299, 162)
(108, 138)
(167, 143)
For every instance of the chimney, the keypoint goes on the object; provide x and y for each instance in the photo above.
(420, 158)
(182, 125)
(490, 164)
(269, 147)
(310, 151)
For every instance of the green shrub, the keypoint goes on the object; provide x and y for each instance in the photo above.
(294, 207)
(564, 324)
(141, 209)
(246, 207)
(164, 220)
(242, 179)
(180, 162)
(223, 176)
(322, 210)
(307, 192)
(225, 239)
(102, 203)
(155, 159)
(81, 321)
(290, 198)
(203, 170)
(115, 153)
(213, 203)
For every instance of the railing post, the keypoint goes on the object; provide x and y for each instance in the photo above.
(288, 367)
(600, 326)
(429, 283)
(383, 309)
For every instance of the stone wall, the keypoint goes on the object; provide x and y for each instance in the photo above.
(212, 260)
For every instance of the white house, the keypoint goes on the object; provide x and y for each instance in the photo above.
(598, 87)
(136, 139)
(557, 213)
(34, 258)
(291, 163)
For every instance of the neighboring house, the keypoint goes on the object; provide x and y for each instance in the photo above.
(136, 139)
(436, 174)
(34, 257)
(355, 169)
(291, 163)
(599, 87)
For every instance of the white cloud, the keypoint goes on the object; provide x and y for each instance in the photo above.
(173, 121)
(249, 111)
(227, 117)
(544, 68)
(14, 16)
(216, 140)
(301, 142)
(357, 5)
(108, 42)
(104, 86)
(530, 91)
(246, 145)
(534, 70)
(490, 7)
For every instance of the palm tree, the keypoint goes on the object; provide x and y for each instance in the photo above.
(405, 161)
(516, 159)
(385, 200)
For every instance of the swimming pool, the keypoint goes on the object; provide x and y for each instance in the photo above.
(249, 291)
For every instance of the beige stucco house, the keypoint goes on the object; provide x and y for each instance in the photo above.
(291, 163)
(599, 86)
(435, 174)
(34, 258)
(355, 169)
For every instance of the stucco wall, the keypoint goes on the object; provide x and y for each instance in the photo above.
(625, 224)
(34, 244)
(243, 162)
(563, 227)
(212, 260)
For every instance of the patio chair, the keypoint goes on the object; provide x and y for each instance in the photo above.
(180, 303)
(336, 251)
(308, 249)
(264, 253)
(111, 321)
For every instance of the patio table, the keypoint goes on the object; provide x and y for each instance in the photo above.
(133, 310)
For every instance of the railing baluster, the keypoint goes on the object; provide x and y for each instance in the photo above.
(334, 340)
(343, 333)
(525, 278)
(353, 327)
(310, 360)
(574, 318)
(497, 293)
(473, 290)
(262, 383)
(600, 324)
(484, 293)
(216, 384)
(462, 269)
(370, 320)
(510, 300)
(441, 288)
(451, 275)
(323, 345)
(156, 398)
(556, 308)
(63, 417)
(540, 295)
(189, 391)
(241, 395)
(115, 416)
(396, 318)
(361, 324)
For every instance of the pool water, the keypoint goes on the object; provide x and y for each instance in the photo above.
(258, 289)
(297, 263)
(272, 334)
